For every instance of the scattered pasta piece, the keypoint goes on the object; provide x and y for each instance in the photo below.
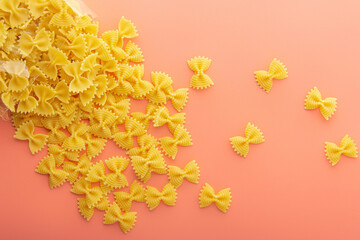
(253, 135)
(162, 116)
(56, 176)
(327, 106)
(347, 147)
(126, 220)
(222, 199)
(124, 199)
(170, 144)
(87, 212)
(190, 172)
(153, 197)
(26, 132)
(199, 65)
(277, 70)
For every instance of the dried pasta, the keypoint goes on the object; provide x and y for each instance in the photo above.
(170, 144)
(190, 172)
(208, 196)
(114, 215)
(277, 70)
(136, 193)
(347, 148)
(253, 135)
(153, 197)
(326, 106)
(199, 65)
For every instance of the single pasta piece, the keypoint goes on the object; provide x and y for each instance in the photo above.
(153, 197)
(56, 176)
(26, 132)
(124, 199)
(114, 215)
(199, 65)
(347, 147)
(87, 212)
(190, 172)
(277, 70)
(170, 144)
(222, 199)
(326, 106)
(252, 135)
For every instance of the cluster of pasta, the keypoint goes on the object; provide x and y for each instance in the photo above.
(58, 74)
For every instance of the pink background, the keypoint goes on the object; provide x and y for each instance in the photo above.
(285, 188)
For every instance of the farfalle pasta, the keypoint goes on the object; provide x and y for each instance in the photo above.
(181, 137)
(190, 172)
(199, 65)
(222, 199)
(153, 197)
(326, 106)
(253, 135)
(136, 193)
(58, 74)
(277, 70)
(347, 148)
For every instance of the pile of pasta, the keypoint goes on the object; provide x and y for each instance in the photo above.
(58, 74)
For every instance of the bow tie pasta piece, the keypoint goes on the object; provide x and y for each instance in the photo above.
(56, 135)
(26, 132)
(56, 176)
(143, 118)
(94, 146)
(327, 106)
(123, 75)
(73, 169)
(78, 83)
(253, 135)
(96, 173)
(126, 220)
(222, 199)
(277, 70)
(126, 30)
(153, 162)
(62, 17)
(136, 193)
(140, 86)
(132, 53)
(199, 65)
(162, 116)
(57, 59)
(60, 154)
(93, 195)
(102, 120)
(44, 94)
(62, 92)
(37, 8)
(19, 75)
(190, 172)
(117, 165)
(162, 85)
(178, 98)
(16, 14)
(347, 147)
(133, 129)
(87, 212)
(77, 47)
(153, 197)
(76, 141)
(170, 144)
(41, 41)
(146, 142)
(120, 107)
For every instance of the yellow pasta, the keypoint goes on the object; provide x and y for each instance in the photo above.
(277, 70)
(73, 169)
(76, 141)
(57, 59)
(327, 106)
(92, 194)
(143, 118)
(133, 129)
(144, 166)
(76, 47)
(126, 220)
(102, 121)
(141, 87)
(44, 94)
(208, 196)
(162, 84)
(94, 146)
(162, 116)
(190, 172)
(136, 193)
(78, 83)
(41, 41)
(16, 14)
(170, 144)
(87, 212)
(146, 142)
(199, 65)
(253, 135)
(56, 176)
(347, 147)
(117, 165)
(26, 132)
(153, 197)
(60, 154)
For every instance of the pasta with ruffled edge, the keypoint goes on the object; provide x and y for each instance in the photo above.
(253, 135)
(190, 172)
(277, 70)
(153, 197)
(208, 196)
(199, 65)
(326, 106)
(347, 147)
